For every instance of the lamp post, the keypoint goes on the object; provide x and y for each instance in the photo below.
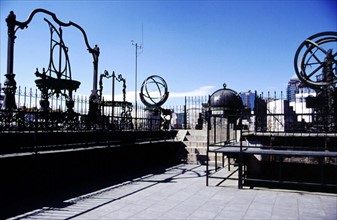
(136, 58)
(10, 83)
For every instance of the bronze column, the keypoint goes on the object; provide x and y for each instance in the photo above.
(10, 83)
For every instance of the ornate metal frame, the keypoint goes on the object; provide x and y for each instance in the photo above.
(10, 83)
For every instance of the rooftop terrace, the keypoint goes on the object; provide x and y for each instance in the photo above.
(180, 193)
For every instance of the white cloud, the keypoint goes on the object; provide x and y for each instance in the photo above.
(202, 91)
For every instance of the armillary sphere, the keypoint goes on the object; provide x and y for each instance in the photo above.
(316, 59)
(154, 91)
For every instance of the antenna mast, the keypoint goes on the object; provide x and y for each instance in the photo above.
(137, 53)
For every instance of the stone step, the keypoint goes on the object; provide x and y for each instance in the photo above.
(195, 138)
(181, 135)
(197, 133)
(191, 136)
(195, 144)
(200, 151)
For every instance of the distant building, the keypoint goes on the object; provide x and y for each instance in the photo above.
(255, 111)
(178, 120)
(293, 88)
(296, 95)
(299, 105)
(248, 99)
(281, 116)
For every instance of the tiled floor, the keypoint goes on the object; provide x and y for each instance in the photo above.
(181, 193)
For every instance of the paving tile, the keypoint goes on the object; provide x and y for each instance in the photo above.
(257, 214)
(147, 214)
(279, 211)
(283, 212)
(261, 206)
(174, 214)
(229, 213)
(268, 197)
(203, 214)
(312, 214)
(332, 214)
(118, 215)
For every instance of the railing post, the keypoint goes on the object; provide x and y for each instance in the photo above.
(185, 115)
(240, 154)
(35, 99)
(35, 131)
(19, 96)
(207, 151)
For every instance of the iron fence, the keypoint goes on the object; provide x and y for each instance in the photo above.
(275, 113)
(271, 112)
(188, 115)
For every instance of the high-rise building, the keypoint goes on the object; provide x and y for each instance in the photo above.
(293, 88)
(248, 99)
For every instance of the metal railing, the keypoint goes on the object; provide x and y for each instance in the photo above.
(268, 113)
(274, 156)
(188, 115)
(277, 114)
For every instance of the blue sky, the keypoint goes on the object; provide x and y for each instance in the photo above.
(196, 46)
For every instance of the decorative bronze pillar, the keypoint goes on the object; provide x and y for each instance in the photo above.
(94, 99)
(10, 83)
(95, 54)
